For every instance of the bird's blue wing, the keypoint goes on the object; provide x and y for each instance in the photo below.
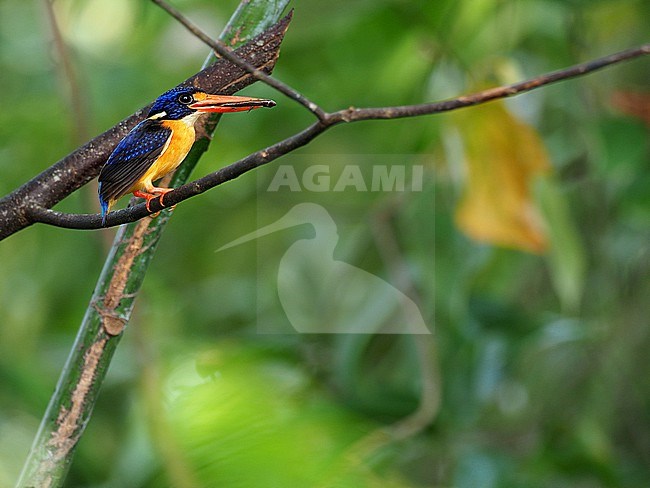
(131, 159)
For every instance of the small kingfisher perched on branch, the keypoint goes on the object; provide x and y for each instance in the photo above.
(158, 144)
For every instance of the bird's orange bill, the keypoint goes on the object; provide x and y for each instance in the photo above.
(226, 104)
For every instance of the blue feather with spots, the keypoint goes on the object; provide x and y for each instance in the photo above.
(130, 160)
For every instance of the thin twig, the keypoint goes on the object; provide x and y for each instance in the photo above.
(226, 52)
(497, 92)
(265, 156)
(69, 79)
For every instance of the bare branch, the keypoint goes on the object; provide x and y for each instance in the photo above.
(265, 156)
(224, 51)
(497, 92)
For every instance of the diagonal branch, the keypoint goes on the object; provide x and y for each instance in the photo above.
(226, 52)
(265, 156)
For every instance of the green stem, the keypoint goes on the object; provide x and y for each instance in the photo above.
(110, 308)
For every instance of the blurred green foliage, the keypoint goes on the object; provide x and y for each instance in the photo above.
(542, 372)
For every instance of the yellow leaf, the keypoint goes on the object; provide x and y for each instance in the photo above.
(503, 157)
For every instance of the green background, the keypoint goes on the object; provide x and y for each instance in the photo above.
(539, 362)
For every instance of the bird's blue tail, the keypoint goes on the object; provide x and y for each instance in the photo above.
(104, 204)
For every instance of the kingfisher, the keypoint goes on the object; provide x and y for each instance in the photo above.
(158, 144)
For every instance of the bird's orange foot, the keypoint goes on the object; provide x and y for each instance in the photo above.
(163, 192)
(155, 193)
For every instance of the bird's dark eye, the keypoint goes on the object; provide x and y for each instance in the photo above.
(185, 98)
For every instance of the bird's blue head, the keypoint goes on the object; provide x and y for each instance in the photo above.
(174, 104)
(184, 101)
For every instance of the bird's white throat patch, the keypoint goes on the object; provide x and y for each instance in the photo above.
(190, 119)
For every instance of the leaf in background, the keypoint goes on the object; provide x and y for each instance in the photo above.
(503, 157)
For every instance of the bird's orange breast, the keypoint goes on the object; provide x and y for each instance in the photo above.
(173, 154)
